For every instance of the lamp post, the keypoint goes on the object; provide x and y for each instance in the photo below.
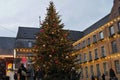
(14, 57)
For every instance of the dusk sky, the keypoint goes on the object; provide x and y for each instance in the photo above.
(75, 14)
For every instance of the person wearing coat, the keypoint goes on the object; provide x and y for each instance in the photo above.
(22, 71)
(30, 72)
(39, 74)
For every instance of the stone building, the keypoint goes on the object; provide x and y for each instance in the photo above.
(97, 47)
(98, 50)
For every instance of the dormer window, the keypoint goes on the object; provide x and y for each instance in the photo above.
(29, 44)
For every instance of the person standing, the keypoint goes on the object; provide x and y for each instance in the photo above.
(30, 72)
(73, 74)
(103, 76)
(15, 76)
(39, 74)
(22, 71)
(92, 78)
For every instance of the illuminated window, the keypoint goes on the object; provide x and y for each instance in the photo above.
(117, 66)
(111, 30)
(114, 47)
(9, 66)
(101, 35)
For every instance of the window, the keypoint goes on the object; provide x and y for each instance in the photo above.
(111, 30)
(29, 44)
(98, 70)
(103, 54)
(119, 9)
(96, 54)
(119, 27)
(86, 70)
(80, 58)
(90, 55)
(91, 70)
(114, 47)
(94, 38)
(75, 47)
(117, 66)
(79, 46)
(85, 57)
(81, 73)
(83, 44)
(101, 35)
(88, 43)
(105, 68)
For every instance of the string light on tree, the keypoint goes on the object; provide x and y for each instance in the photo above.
(53, 46)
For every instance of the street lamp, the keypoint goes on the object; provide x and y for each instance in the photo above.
(14, 57)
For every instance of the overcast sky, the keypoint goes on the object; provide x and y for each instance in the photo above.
(75, 14)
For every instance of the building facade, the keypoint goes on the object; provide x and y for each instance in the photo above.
(98, 50)
(25, 40)
(97, 47)
(7, 46)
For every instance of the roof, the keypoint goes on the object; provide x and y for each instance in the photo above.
(29, 33)
(97, 25)
(7, 45)
(75, 35)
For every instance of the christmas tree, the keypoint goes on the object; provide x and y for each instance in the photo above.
(53, 48)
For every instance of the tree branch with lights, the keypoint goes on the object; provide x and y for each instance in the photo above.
(53, 48)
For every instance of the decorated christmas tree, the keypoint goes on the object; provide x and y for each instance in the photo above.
(53, 47)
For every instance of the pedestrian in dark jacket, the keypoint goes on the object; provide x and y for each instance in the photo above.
(103, 77)
(39, 74)
(15, 75)
(30, 72)
(22, 71)
(92, 78)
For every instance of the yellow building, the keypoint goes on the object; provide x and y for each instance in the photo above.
(99, 49)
